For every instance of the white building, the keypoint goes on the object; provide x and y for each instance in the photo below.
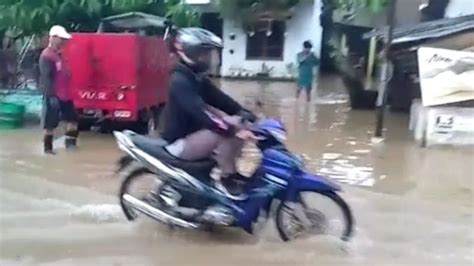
(247, 54)
(459, 8)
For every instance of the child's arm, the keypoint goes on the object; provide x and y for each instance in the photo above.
(314, 60)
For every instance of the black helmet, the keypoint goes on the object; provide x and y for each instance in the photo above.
(190, 43)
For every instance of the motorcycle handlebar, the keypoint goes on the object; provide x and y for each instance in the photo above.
(247, 116)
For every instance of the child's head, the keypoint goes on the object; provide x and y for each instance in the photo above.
(307, 46)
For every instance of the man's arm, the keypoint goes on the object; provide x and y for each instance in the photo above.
(218, 99)
(190, 101)
(47, 70)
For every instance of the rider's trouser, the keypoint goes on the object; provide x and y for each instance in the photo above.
(205, 144)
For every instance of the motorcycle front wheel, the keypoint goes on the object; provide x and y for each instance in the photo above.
(297, 219)
(130, 185)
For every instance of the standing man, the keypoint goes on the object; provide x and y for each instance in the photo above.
(307, 61)
(54, 82)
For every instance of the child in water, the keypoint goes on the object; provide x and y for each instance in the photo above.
(307, 61)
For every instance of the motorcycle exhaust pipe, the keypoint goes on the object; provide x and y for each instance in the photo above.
(155, 213)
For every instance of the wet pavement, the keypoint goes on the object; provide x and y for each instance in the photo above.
(412, 206)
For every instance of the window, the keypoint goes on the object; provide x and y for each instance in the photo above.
(260, 46)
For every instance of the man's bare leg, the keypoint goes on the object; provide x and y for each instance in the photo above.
(308, 95)
(48, 141)
(298, 92)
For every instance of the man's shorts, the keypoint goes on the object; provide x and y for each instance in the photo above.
(52, 115)
(305, 87)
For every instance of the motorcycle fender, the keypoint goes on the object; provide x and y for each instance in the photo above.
(123, 163)
(310, 182)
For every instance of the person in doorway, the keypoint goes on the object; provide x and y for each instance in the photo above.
(54, 82)
(200, 119)
(307, 61)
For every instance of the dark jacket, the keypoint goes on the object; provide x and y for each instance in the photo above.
(189, 94)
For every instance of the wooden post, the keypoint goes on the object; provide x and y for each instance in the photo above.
(382, 97)
(371, 62)
(344, 45)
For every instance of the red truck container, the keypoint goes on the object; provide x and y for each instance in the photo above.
(118, 77)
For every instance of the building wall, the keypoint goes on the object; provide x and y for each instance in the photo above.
(304, 25)
(458, 8)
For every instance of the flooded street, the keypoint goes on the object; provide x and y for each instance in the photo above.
(412, 206)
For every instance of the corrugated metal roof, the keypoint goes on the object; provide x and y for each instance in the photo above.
(426, 30)
(134, 20)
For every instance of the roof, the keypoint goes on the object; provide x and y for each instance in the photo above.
(135, 20)
(426, 30)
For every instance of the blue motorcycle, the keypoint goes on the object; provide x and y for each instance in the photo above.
(183, 196)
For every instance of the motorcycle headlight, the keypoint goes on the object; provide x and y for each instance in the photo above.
(279, 135)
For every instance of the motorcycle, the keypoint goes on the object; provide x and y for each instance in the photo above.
(184, 197)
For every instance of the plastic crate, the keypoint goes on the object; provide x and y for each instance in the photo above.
(11, 115)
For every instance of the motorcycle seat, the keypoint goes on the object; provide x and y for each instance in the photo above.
(156, 148)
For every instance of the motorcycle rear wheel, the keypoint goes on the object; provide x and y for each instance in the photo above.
(348, 222)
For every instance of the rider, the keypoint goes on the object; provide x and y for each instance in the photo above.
(201, 120)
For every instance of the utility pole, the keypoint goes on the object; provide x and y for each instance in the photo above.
(383, 87)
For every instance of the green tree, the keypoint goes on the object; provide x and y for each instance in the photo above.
(181, 14)
(35, 16)
(374, 5)
(332, 57)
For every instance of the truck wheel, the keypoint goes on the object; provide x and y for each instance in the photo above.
(150, 124)
(159, 112)
(106, 127)
(85, 125)
(147, 124)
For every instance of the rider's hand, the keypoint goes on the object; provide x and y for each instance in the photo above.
(245, 135)
(247, 116)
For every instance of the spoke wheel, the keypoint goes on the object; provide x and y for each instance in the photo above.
(307, 217)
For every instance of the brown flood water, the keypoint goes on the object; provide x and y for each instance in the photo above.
(412, 206)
